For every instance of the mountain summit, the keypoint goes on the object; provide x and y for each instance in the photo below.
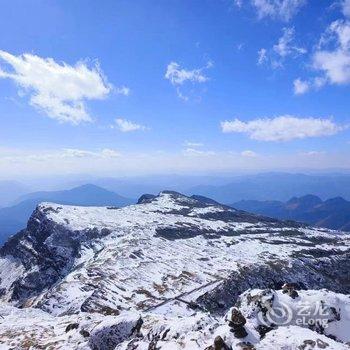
(14, 218)
(93, 275)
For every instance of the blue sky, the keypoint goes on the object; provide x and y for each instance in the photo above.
(131, 87)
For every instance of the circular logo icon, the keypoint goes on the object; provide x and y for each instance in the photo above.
(280, 315)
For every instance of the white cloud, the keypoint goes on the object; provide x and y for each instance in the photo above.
(312, 153)
(318, 82)
(283, 128)
(58, 89)
(249, 154)
(332, 57)
(238, 3)
(277, 9)
(301, 86)
(64, 154)
(177, 75)
(181, 95)
(262, 56)
(346, 8)
(342, 31)
(335, 65)
(79, 153)
(109, 153)
(193, 144)
(123, 90)
(76, 153)
(127, 126)
(284, 48)
(197, 152)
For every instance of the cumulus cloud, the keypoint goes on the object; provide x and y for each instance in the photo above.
(282, 128)
(277, 9)
(335, 63)
(124, 125)
(332, 57)
(57, 89)
(285, 47)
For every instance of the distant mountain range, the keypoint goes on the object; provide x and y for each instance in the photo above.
(333, 213)
(222, 188)
(10, 190)
(276, 186)
(15, 217)
(134, 187)
(16, 203)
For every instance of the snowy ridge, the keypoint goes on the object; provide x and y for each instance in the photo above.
(245, 330)
(173, 259)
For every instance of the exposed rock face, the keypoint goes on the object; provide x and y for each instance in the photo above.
(290, 289)
(47, 251)
(237, 322)
(109, 333)
(146, 198)
(308, 272)
(180, 262)
(219, 344)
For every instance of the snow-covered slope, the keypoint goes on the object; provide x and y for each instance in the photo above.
(246, 326)
(175, 260)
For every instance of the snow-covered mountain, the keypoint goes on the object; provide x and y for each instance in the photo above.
(15, 217)
(165, 274)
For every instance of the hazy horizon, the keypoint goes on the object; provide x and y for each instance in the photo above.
(86, 177)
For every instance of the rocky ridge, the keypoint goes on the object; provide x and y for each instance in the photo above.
(170, 261)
